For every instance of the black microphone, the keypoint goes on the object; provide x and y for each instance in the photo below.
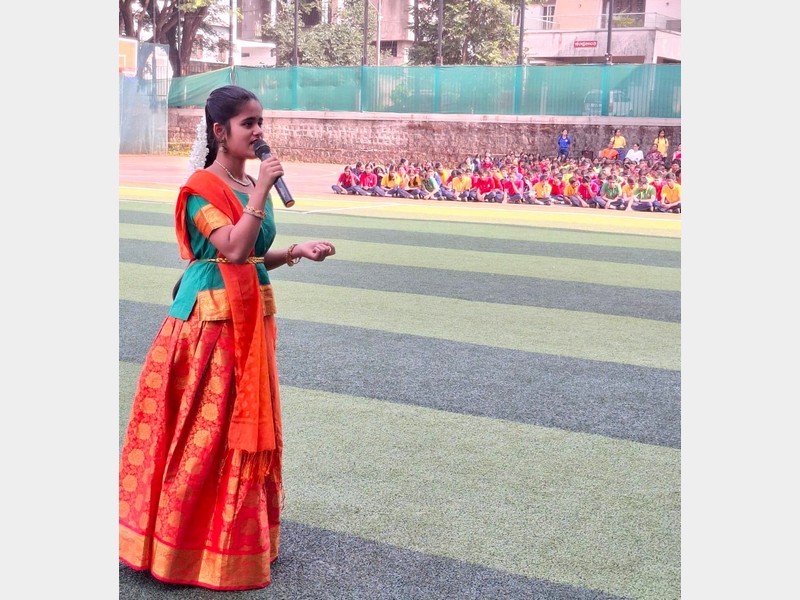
(263, 152)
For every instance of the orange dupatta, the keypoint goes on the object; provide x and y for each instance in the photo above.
(251, 436)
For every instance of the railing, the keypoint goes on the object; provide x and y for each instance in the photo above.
(582, 22)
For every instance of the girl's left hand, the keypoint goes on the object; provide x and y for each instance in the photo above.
(315, 250)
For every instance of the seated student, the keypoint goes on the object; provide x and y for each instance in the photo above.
(486, 188)
(677, 154)
(587, 192)
(609, 192)
(369, 181)
(653, 156)
(442, 176)
(557, 187)
(348, 183)
(512, 192)
(670, 195)
(358, 169)
(541, 192)
(430, 187)
(609, 153)
(414, 186)
(572, 195)
(392, 183)
(635, 154)
(623, 201)
(675, 168)
(462, 186)
(410, 181)
(644, 196)
(658, 183)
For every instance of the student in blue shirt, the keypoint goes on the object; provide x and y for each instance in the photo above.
(564, 145)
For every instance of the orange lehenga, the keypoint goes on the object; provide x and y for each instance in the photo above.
(200, 489)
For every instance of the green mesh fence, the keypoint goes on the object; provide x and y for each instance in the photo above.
(572, 90)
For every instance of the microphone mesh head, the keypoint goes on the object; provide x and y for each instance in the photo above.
(261, 149)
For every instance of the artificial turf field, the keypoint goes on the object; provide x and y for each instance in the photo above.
(479, 401)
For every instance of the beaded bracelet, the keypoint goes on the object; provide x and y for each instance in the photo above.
(255, 212)
(289, 260)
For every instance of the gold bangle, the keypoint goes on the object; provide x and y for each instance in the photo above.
(289, 260)
(255, 212)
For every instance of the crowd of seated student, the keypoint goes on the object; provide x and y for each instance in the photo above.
(607, 182)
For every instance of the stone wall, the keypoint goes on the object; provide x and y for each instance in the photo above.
(345, 137)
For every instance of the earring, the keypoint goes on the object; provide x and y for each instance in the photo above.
(223, 144)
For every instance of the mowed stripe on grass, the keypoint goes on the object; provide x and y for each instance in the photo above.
(469, 261)
(628, 340)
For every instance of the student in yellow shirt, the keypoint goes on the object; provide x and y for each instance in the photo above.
(619, 143)
(462, 186)
(661, 142)
(670, 195)
(541, 192)
(392, 183)
(572, 195)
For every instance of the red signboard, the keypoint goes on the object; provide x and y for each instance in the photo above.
(585, 44)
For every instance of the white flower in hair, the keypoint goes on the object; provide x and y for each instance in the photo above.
(197, 159)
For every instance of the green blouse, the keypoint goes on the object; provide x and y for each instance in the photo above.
(201, 276)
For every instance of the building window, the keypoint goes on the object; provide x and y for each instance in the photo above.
(627, 13)
(390, 47)
(547, 16)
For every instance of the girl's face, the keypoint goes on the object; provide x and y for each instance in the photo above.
(245, 129)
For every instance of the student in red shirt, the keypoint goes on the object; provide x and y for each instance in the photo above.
(512, 192)
(586, 193)
(369, 182)
(486, 186)
(557, 186)
(348, 183)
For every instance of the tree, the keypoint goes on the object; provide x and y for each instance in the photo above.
(175, 23)
(338, 43)
(474, 32)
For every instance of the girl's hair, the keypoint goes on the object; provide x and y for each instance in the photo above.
(222, 105)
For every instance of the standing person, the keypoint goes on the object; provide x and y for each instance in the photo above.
(619, 143)
(564, 145)
(200, 487)
(661, 143)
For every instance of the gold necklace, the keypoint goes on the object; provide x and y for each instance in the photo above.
(239, 181)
